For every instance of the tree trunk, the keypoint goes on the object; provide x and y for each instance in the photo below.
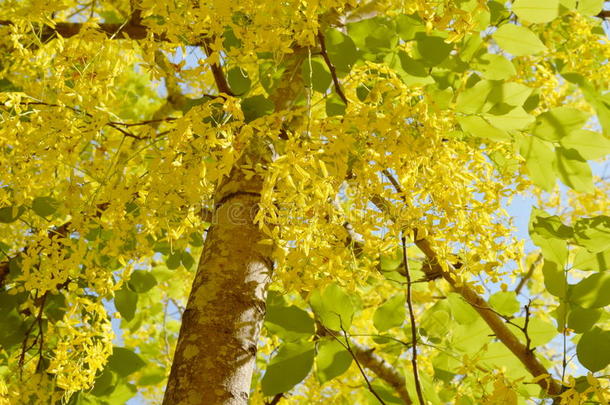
(216, 350)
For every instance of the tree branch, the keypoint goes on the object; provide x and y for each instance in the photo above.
(528, 275)
(382, 369)
(67, 30)
(331, 67)
(405, 262)
(219, 77)
(496, 323)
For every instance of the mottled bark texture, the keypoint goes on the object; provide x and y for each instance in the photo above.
(216, 350)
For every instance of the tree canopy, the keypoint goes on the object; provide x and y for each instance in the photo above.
(304, 201)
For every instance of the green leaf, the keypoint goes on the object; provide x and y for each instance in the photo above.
(559, 122)
(288, 368)
(230, 40)
(187, 260)
(392, 261)
(436, 321)
(124, 361)
(594, 261)
(433, 50)
(174, 259)
(104, 383)
(373, 35)
(505, 302)
(8, 86)
(517, 118)
(593, 233)
(55, 306)
(126, 302)
(582, 319)
(332, 360)
(45, 206)
(518, 40)
(334, 105)
(473, 99)
(554, 279)
(121, 394)
(592, 292)
(152, 376)
(10, 214)
(536, 11)
(593, 349)
(481, 128)
(408, 25)
(543, 234)
(341, 50)
(256, 106)
(511, 93)
(270, 75)
(540, 161)
(496, 67)
(471, 338)
(589, 7)
(141, 281)
(539, 331)
(334, 307)
(391, 314)
(318, 76)
(589, 144)
(12, 329)
(573, 170)
(238, 79)
(549, 226)
(195, 239)
(461, 311)
(411, 71)
(288, 321)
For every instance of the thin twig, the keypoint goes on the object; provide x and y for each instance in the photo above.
(529, 274)
(219, 77)
(331, 67)
(348, 347)
(405, 261)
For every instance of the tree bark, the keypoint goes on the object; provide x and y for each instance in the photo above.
(216, 351)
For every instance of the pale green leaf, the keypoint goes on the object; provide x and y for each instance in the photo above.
(559, 122)
(540, 161)
(593, 233)
(332, 360)
(593, 349)
(595, 261)
(124, 361)
(510, 93)
(461, 311)
(496, 67)
(288, 368)
(582, 319)
(589, 144)
(554, 279)
(518, 40)
(473, 99)
(592, 292)
(391, 314)
(479, 127)
(517, 118)
(573, 170)
(505, 302)
(536, 11)
(589, 7)
(334, 307)
(316, 74)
